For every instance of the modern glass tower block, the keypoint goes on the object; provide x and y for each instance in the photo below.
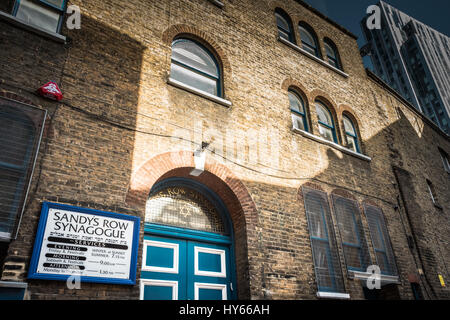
(414, 59)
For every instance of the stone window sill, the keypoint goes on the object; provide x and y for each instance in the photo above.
(12, 284)
(198, 92)
(23, 25)
(364, 276)
(217, 3)
(332, 144)
(333, 295)
(313, 57)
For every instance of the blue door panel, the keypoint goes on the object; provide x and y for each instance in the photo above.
(153, 292)
(209, 262)
(163, 258)
(159, 257)
(210, 294)
(202, 270)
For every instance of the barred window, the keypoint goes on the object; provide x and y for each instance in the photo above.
(352, 236)
(325, 256)
(20, 131)
(380, 240)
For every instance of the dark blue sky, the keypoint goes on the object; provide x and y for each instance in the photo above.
(349, 13)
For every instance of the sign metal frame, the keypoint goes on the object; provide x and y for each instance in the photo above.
(33, 274)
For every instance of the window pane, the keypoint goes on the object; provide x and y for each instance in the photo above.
(295, 102)
(352, 257)
(20, 126)
(37, 15)
(348, 125)
(380, 240)
(330, 52)
(191, 54)
(382, 262)
(56, 3)
(351, 143)
(322, 264)
(326, 133)
(10, 183)
(193, 79)
(315, 218)
(326, 260)
(14, 128)
(298, 122)
(333, 63)
(351, 230)
(324, 115)
(284, 35)
(282, 23)
(310, 50)
(307, 37)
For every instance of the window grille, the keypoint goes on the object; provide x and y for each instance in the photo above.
(351, 232)
(323, 242)
(20, 133)
(183, 207)
(380, 240)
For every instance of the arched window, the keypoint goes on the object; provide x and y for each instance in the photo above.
(332, 53)
(298, 110)
(195, 66)
(284, 25)
(309, 39)
(351, 137)
(326, 123)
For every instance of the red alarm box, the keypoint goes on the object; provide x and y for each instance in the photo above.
(51, 90)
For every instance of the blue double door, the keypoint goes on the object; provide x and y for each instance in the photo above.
(184, 269)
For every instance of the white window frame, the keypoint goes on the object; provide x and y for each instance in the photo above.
(168, 245)
(213, 286)
(221, 253)
(159, 283)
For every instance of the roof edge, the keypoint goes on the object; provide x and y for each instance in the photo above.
(383, 84)
(321, 15)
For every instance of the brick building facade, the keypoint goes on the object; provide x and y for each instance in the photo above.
(126, 124)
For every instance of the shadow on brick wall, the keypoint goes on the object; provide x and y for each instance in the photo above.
(86, 154)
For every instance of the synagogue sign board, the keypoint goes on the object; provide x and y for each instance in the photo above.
(95, 245)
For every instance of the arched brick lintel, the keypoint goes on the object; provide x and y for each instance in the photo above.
(223, 182)
(151, 171)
